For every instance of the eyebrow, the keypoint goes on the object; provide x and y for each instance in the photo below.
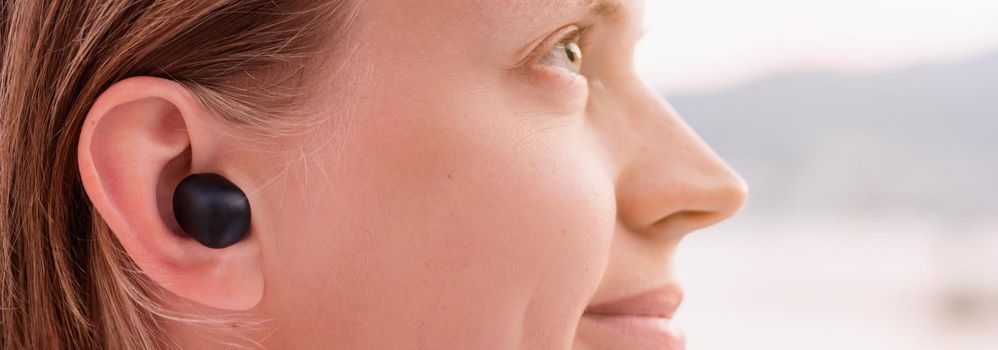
(602, 7)
(595, 8)
(555, 12)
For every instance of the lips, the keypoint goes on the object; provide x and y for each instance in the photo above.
(660, 302)
(635, 321)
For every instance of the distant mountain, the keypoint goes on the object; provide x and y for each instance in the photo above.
(918, 141)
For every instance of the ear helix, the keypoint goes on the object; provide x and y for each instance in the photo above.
(212, 210)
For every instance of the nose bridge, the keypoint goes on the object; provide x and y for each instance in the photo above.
(669, 175)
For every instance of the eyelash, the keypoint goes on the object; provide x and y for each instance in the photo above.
(573, 33)
(576, 36)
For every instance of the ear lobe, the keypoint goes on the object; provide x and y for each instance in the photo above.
(142, 136)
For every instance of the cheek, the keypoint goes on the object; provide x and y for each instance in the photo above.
(448, 227)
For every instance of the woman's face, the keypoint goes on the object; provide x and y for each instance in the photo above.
(489, 175)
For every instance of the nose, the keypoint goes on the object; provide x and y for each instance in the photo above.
(669, 182)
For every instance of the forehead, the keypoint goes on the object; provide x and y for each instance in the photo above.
(491, 20)
(545, 5)
(521, 14)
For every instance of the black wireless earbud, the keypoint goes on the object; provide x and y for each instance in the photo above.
(212, 210)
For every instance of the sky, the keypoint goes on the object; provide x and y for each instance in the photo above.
(704, 45)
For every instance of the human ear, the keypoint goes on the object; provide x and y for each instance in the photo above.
(142, 136)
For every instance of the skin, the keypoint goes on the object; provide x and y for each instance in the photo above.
(454, 192)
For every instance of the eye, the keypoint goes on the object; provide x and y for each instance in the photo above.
(566, 53)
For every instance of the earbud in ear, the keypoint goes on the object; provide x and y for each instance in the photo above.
(212, 210)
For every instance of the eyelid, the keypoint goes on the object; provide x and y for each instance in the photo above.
(572, 31)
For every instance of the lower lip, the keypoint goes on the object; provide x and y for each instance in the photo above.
(632, 332)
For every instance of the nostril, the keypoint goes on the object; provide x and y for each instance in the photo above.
(685, 222)
(680, 201)
(701, 207)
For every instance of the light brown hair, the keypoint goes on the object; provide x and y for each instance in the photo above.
(65, 282)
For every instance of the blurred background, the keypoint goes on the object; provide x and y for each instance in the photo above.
(868, 133)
